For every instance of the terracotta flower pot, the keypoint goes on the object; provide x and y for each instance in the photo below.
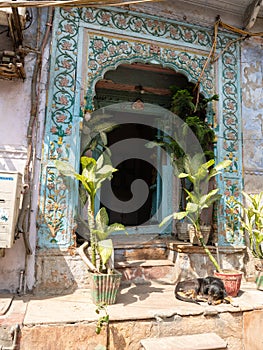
(232, 281)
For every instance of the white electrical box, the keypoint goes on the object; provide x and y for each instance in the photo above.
(10, 194)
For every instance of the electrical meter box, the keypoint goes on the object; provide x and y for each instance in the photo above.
(10, 194)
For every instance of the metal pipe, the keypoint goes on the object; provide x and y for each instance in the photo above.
(217, 255)
(21, 281)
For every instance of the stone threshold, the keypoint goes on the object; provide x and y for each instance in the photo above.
(136, 241)
(144, 263)
(141, 311)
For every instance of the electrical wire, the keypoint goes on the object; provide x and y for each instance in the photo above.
(238, 30)
(71, 3)
(211, 57)
(29, 18)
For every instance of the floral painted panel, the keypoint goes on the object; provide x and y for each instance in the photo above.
(94, 41)
(106, 52)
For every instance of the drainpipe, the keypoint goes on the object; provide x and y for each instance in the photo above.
(14, 333)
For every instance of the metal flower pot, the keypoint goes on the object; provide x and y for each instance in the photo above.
(205, 230)
(104, 287)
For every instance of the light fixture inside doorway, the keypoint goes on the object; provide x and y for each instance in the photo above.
(138, 104)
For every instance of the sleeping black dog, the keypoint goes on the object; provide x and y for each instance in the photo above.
(209, 289)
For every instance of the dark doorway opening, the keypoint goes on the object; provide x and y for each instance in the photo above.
(149, 84)
(130, 169)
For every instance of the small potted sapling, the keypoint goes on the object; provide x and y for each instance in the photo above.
(249, 215)
(98, 254)
(198, 199)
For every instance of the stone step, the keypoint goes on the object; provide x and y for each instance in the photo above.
(205, 341)
(140, 271)
(137, 247)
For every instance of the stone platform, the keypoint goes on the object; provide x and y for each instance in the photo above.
(142, 311)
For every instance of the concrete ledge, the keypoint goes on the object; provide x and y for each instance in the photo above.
(204, 341)
(152, 300)
(141, 311)
(194, 249)
(144, 263)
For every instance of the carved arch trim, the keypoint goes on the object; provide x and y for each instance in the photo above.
(88, 42)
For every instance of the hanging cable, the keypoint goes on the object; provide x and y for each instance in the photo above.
(211, 56)
(71, 3)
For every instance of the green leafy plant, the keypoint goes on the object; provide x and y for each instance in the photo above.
(94, 132)
(198, 199)
(93, 174)
(104, 320)
(193, 113)
(250, 217)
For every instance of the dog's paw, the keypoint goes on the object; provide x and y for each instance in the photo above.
(229, 300)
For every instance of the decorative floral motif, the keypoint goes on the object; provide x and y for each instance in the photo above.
(105, 52)
(148, 26)
(64, 86)
(231, 211)
(231, 107)
(56, 205)
(178, 46)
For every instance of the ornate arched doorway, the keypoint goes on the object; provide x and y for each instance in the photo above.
(88, 43)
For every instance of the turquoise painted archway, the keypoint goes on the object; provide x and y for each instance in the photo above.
(88, 42)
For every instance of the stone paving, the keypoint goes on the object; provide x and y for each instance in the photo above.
(135, 303)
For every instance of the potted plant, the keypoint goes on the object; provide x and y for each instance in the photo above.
(192, 110)
(199, 199)
(249, 214)
(98, 255)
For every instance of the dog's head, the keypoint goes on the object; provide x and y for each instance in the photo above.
(215, 293)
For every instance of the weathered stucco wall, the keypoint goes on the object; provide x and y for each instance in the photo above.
(252, 113)
(15, 110)
(15, 102)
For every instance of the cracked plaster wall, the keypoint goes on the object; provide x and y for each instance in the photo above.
(252, 113)
(15, 102)
(15, 108)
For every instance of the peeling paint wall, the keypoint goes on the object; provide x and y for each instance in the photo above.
(15, 109)
(252, 113)
(15, 102)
